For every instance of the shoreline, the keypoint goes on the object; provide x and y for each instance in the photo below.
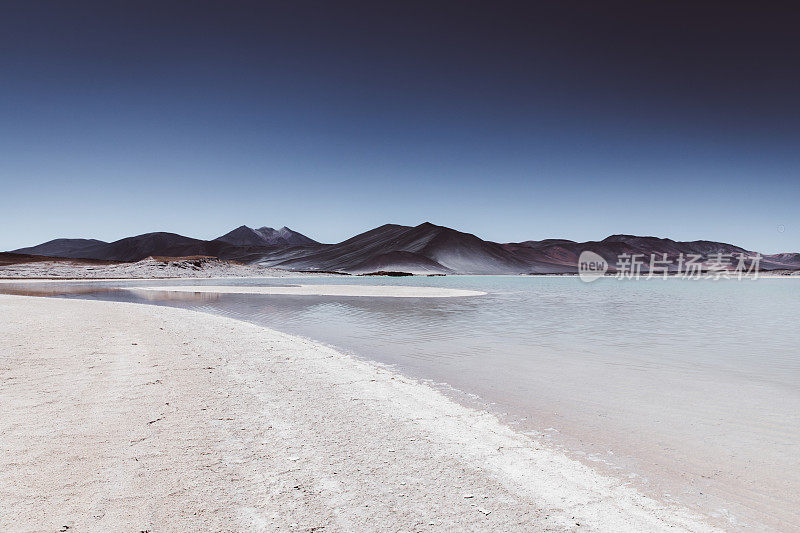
(288, 274)
(291, 434)
(360, 291)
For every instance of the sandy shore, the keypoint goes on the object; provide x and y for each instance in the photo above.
(127, 417)
(383, 291)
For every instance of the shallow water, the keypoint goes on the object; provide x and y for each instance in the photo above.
(690, 389)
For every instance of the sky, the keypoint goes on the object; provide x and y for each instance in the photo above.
(510, 120)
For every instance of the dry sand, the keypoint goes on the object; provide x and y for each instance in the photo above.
(128, 417)
(390, 291)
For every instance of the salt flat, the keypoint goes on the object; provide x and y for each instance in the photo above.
(132, 417)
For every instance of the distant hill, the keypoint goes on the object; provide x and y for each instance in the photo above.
(127, 249)
(11, 258)
(75, 248)
(243, 243)
(426, 248)
(159, 243)
(246, 236)
(554, 255)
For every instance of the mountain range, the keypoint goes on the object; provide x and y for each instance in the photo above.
(426, 248)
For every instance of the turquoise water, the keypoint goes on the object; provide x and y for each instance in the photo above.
(689, 389)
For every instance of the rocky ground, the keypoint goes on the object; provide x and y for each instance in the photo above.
(146, 268)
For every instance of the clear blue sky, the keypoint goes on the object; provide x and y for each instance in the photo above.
(510, 121)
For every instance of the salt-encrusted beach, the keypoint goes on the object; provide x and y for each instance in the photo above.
(367, 291)
(148, 268)
(128, 417)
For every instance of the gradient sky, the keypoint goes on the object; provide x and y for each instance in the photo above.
(513, 121)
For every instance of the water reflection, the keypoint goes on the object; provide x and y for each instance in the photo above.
(173, 297)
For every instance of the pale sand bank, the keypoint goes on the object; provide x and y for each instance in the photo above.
(127, 417)
(391, 291)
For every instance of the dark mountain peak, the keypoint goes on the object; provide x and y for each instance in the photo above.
(435, 229)
(61, 242)
(622, 237)
(292, 237)
(265, 236)
(242, 236)
(659, 244)
(637, 240)
(543, 242)
(286, 230)
(155, 238)
(72, 248)
(386, 230)
(155, 234)
(389, 226)
(84, 241)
